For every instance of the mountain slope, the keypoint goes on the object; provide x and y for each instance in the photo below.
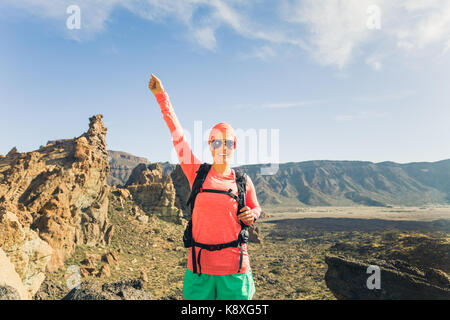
(328, 182)
(121, 165)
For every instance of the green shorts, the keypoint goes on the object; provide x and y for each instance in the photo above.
(218, 287)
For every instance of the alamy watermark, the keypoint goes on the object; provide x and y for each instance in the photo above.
(74, 20)
(374, 20)
(374, 281)
(254, 146)
(73, 277)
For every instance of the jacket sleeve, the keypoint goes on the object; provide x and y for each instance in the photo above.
(189, 163)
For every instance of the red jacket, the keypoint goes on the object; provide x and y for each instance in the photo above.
(215, 215)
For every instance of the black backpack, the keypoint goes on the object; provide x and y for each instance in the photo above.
(188, 239)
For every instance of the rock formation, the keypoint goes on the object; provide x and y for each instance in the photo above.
(52, 199)
(347, 279)
(254, 235)
(121, 165)
(182, 190)
(153, 192)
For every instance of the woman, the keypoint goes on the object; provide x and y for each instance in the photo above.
(214, 217)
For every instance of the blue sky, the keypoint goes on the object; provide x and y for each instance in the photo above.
(333, 87)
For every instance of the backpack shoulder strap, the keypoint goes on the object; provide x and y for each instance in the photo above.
(202, 172)
(241, 182)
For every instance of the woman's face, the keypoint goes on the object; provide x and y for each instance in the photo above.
(223, 153)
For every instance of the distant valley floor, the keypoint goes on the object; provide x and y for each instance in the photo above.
(359, 212)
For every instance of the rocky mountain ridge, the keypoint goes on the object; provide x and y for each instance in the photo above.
(341, 183)
(53, 199)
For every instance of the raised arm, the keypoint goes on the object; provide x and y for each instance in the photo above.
(189, 163)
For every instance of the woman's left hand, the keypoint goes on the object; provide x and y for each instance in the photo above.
(246, 216)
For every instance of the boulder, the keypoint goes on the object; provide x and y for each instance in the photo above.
(105, 271)
(9, 293)
(88, 271)
(143, 276)
(11, 286)
(26, 250)
(51, 290)
(123, 193)
(347, 278)
(143, 219)
(112, 257)
(254, 235)
(128, 289)
(91, 260)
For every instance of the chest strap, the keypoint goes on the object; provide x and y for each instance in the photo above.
(229, 192)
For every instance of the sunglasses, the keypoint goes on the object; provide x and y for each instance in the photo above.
(218, 143)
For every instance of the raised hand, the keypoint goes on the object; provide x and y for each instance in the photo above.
(155, 85)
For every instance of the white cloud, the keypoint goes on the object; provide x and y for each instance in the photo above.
(293, 104)
(264, 53)
(334, 32)
(206, 38)
(367, 100)
(363, 115)
(382, 98)
(447, 47)
(281, 105)
(337, 29)
(423, 23)
(374, 62)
